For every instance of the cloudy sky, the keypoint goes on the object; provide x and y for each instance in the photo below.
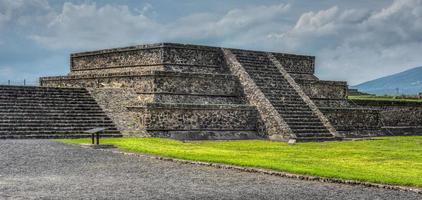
(352, 40)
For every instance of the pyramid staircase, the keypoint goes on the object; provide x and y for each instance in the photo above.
(300, 118)
(46, 112)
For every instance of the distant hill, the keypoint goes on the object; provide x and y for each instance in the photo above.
(408, 82)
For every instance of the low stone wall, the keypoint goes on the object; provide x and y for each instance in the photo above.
(353, 121)
(402, 117)
(385, 104)
(395, 113)
(173, 117)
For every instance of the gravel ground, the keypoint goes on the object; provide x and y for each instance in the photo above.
(43, 169)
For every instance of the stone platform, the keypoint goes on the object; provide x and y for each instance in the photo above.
(201, 92)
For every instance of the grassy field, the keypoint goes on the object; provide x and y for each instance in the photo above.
(391, 160)
(384, 98)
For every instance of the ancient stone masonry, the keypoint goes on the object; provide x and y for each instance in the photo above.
(199, 92)
(177, 91)
(395, 117)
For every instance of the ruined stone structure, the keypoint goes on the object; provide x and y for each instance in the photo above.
(200, 92)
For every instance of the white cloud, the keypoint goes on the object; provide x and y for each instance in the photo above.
(88, 26)
(350, 44)
(23, 11)
(359, 45)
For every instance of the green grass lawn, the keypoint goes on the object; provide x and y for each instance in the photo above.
(384, 98)
(391, 160)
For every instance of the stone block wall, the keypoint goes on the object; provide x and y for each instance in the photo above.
(410, 116)
(395, 113)
(164, 57)
(296, 64)
(318, 89)
(114, 102)
(352, 122)
(116, 58)
(174, 117)
(325, 93)
(154, 82)
(190, 99)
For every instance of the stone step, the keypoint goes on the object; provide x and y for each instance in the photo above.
(39, 122)
(74, 128)
(62, 115)
(51, 134)
(50, 114)
(298, 115)
(313, 134)
(51, 124)
(305, 123)
(49, 107)
(304, 120)
(55, 135)
(322, 129)
(307, 126)
(48, 102)
(44, 98)
(280, 104)
(42, 108)
(45, 130)
(288, 103)
(295, 112)
(287, 108)
(71, 119)
(42, 93)
(42, 89)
